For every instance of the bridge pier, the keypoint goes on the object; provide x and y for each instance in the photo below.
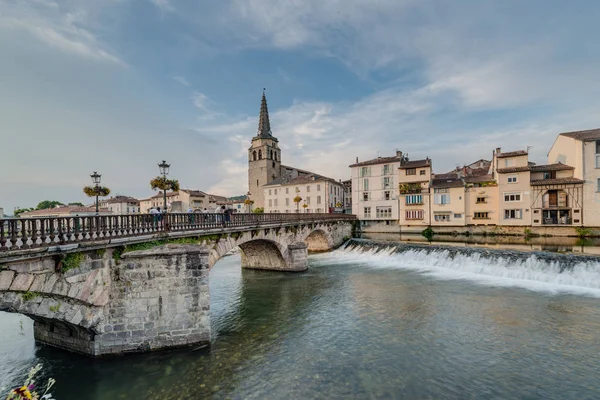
(160, 300)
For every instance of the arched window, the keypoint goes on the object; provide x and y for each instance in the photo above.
(275, 154)
(260, 154)
(254, 155)
(271, 154)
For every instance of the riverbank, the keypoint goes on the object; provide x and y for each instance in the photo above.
(485, 230)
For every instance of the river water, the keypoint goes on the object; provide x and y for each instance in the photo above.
(359, 324)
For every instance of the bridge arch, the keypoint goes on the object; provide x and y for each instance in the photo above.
(58, 321)
(258, 251)
(319, 240)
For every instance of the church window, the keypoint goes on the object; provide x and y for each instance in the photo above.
(275, 156)
(260, 154)
(271, 154)
(254, 155)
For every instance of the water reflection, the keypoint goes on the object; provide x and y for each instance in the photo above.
(348, 329)
(554, 244)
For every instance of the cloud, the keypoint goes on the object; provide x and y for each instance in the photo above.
(200, 100)
(164, 5)
(181, 80)
(58, 28)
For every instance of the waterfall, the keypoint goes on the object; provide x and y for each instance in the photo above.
(540, 271)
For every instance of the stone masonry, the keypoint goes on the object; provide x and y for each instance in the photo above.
(146, 300)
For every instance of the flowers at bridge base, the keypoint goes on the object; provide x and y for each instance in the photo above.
(27, 390)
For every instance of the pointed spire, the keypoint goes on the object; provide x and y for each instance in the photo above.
(264, 125)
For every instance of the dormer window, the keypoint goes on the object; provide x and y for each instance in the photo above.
(509, 162)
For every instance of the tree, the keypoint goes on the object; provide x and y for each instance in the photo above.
(258, 210)
(77, 204)
(305, 206)
(48, 204)
(249, 203)
(297, 200)
(18, 211)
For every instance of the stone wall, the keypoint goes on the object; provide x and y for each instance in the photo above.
(160, 299)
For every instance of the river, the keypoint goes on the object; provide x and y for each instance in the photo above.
(359, 324)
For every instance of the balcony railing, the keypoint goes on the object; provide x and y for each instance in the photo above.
(557, 221)
(25, 233)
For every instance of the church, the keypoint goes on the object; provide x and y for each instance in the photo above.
(269, 180)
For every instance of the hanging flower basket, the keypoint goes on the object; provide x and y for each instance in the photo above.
(162, 183)
(93, 191)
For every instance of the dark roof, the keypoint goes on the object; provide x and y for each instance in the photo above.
(447, 175)
(446, 183)
(512, 154)
(194, 192)
(416, 164)
(591, 134)
(378, 160)
(479, 178)
(550, 167)
(513, 169)
(537, 168)
(558, 181)
(120, 199)
(300, 179)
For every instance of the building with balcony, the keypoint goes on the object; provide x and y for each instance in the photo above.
(414, 193)
(581, 150)
(448, 205)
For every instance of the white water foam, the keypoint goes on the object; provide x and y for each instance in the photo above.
(531, 273)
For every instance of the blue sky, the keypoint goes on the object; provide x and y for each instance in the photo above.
(118, 85)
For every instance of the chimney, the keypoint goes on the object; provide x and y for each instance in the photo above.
(498, 150)
(398, 154)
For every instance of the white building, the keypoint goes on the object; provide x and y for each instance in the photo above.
(317, 194)
(121, 205)
(374, 189)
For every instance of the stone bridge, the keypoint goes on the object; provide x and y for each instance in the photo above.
(118, 284)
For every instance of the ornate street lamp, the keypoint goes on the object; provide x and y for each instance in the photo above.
(164, 170)
(96, 180)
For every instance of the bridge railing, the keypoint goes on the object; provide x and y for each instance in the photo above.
(26, 233)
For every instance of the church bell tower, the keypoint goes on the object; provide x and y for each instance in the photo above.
(264, 157)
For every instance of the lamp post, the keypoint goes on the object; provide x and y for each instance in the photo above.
(96, 180)
(164, 170)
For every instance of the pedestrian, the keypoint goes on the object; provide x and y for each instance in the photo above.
(226, 215)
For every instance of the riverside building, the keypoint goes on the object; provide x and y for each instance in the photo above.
(507, 194)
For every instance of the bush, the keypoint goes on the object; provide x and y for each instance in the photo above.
(583, 232)
(428, 233)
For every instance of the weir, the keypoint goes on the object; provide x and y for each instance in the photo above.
(544, 271)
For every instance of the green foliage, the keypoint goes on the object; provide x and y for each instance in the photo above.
(143, 246)
(72, 261)
(18, 211)
(428, 233)
(407, 188)
(93, 191)
(48, 204)
(55, 308)
(77, 204)
(346, 238)
(237, 235)
(101, 252)
(116, 254)
(583, 232)
(29, 295)
(259, 210)
(162, 183)
(190, 240)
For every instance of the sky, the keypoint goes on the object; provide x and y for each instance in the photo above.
(116, 86)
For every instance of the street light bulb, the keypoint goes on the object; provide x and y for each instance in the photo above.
(164, 167)
(96, 178)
